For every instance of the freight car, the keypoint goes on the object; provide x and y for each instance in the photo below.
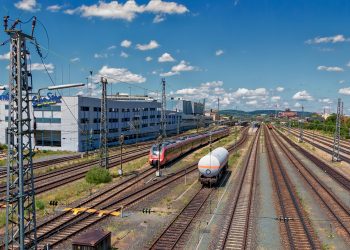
(269, 126)
(212, 166)
(171, 149)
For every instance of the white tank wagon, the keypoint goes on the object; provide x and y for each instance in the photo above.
(212, 166)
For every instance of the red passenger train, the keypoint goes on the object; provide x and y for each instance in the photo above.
(172, 149)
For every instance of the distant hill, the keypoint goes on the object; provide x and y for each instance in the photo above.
(234, 112)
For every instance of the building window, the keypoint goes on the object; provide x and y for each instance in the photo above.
(136, 118)
(145, 109)
(84, 108)
(97, 109)
(97, 132)
(97, 120)
(125, 129)
(48, 108)
(144, 125)
(152, 109)
(113, 110)
(84, 120)
(113, 120)
(145, 117)
(152, 116)
(158, 116)
(48, 120)
(113, 130)
(127, 119)
(6, 106)
(50, 138)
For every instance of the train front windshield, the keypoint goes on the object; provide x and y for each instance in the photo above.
(155, 149)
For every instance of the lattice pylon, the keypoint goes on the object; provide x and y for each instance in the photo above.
(20, 230)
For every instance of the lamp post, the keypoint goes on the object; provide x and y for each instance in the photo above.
(63, 86)
(121, 142)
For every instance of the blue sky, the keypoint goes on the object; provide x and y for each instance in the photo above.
(252, 54)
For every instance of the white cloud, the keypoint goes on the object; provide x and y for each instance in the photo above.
(250, 93)
(302, 96)
(75, 59)
(115, 75)
(328, 39)
(344, 91)
(182, 66)
(159, 18)
(125, 43)
(188, 91)
(148, 59)
(166, 57)
(112, 47)
(97, 55)
(170, 73)
(297, 105)
(325, 100)
(342, 81)
(330, 69)
(252, 103)
(275, 98)
(127, 11)
(279, 89)
(54, 8)
(123, 54)
(219, 52)
(5, 56)
(41, 67)
(151, 45)
(28, 5)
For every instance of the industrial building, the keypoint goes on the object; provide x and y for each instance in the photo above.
(73, 123)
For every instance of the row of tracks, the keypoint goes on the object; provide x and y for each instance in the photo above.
(296, 233)
(114, 198)
(338, 211)
(325, 145)
(334, 174)
(176, 234)
(60, 177)
(64, 159)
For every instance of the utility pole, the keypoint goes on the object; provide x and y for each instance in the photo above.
(121, 142)
(20, 231)
(162, 114)
(301, 125)
(218, 109)
(288, 126)
(336, 143)
(90, 88)
(103, 126)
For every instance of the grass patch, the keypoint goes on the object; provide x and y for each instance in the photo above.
(98, 175)
(39, 205)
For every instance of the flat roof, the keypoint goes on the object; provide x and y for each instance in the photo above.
(91, 238)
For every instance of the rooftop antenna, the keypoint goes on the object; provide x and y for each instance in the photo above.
(90, 88)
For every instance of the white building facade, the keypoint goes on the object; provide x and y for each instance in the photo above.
(74, 124)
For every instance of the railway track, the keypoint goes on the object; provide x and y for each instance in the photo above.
(173, 236)
(235, 228)
(296, 229)
(63, 176)
(338, 177)
(327, 147)
(339, 212)
(46, 163)
(64, 225)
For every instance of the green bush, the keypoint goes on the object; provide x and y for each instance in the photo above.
(98, 175)
(39, 205)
